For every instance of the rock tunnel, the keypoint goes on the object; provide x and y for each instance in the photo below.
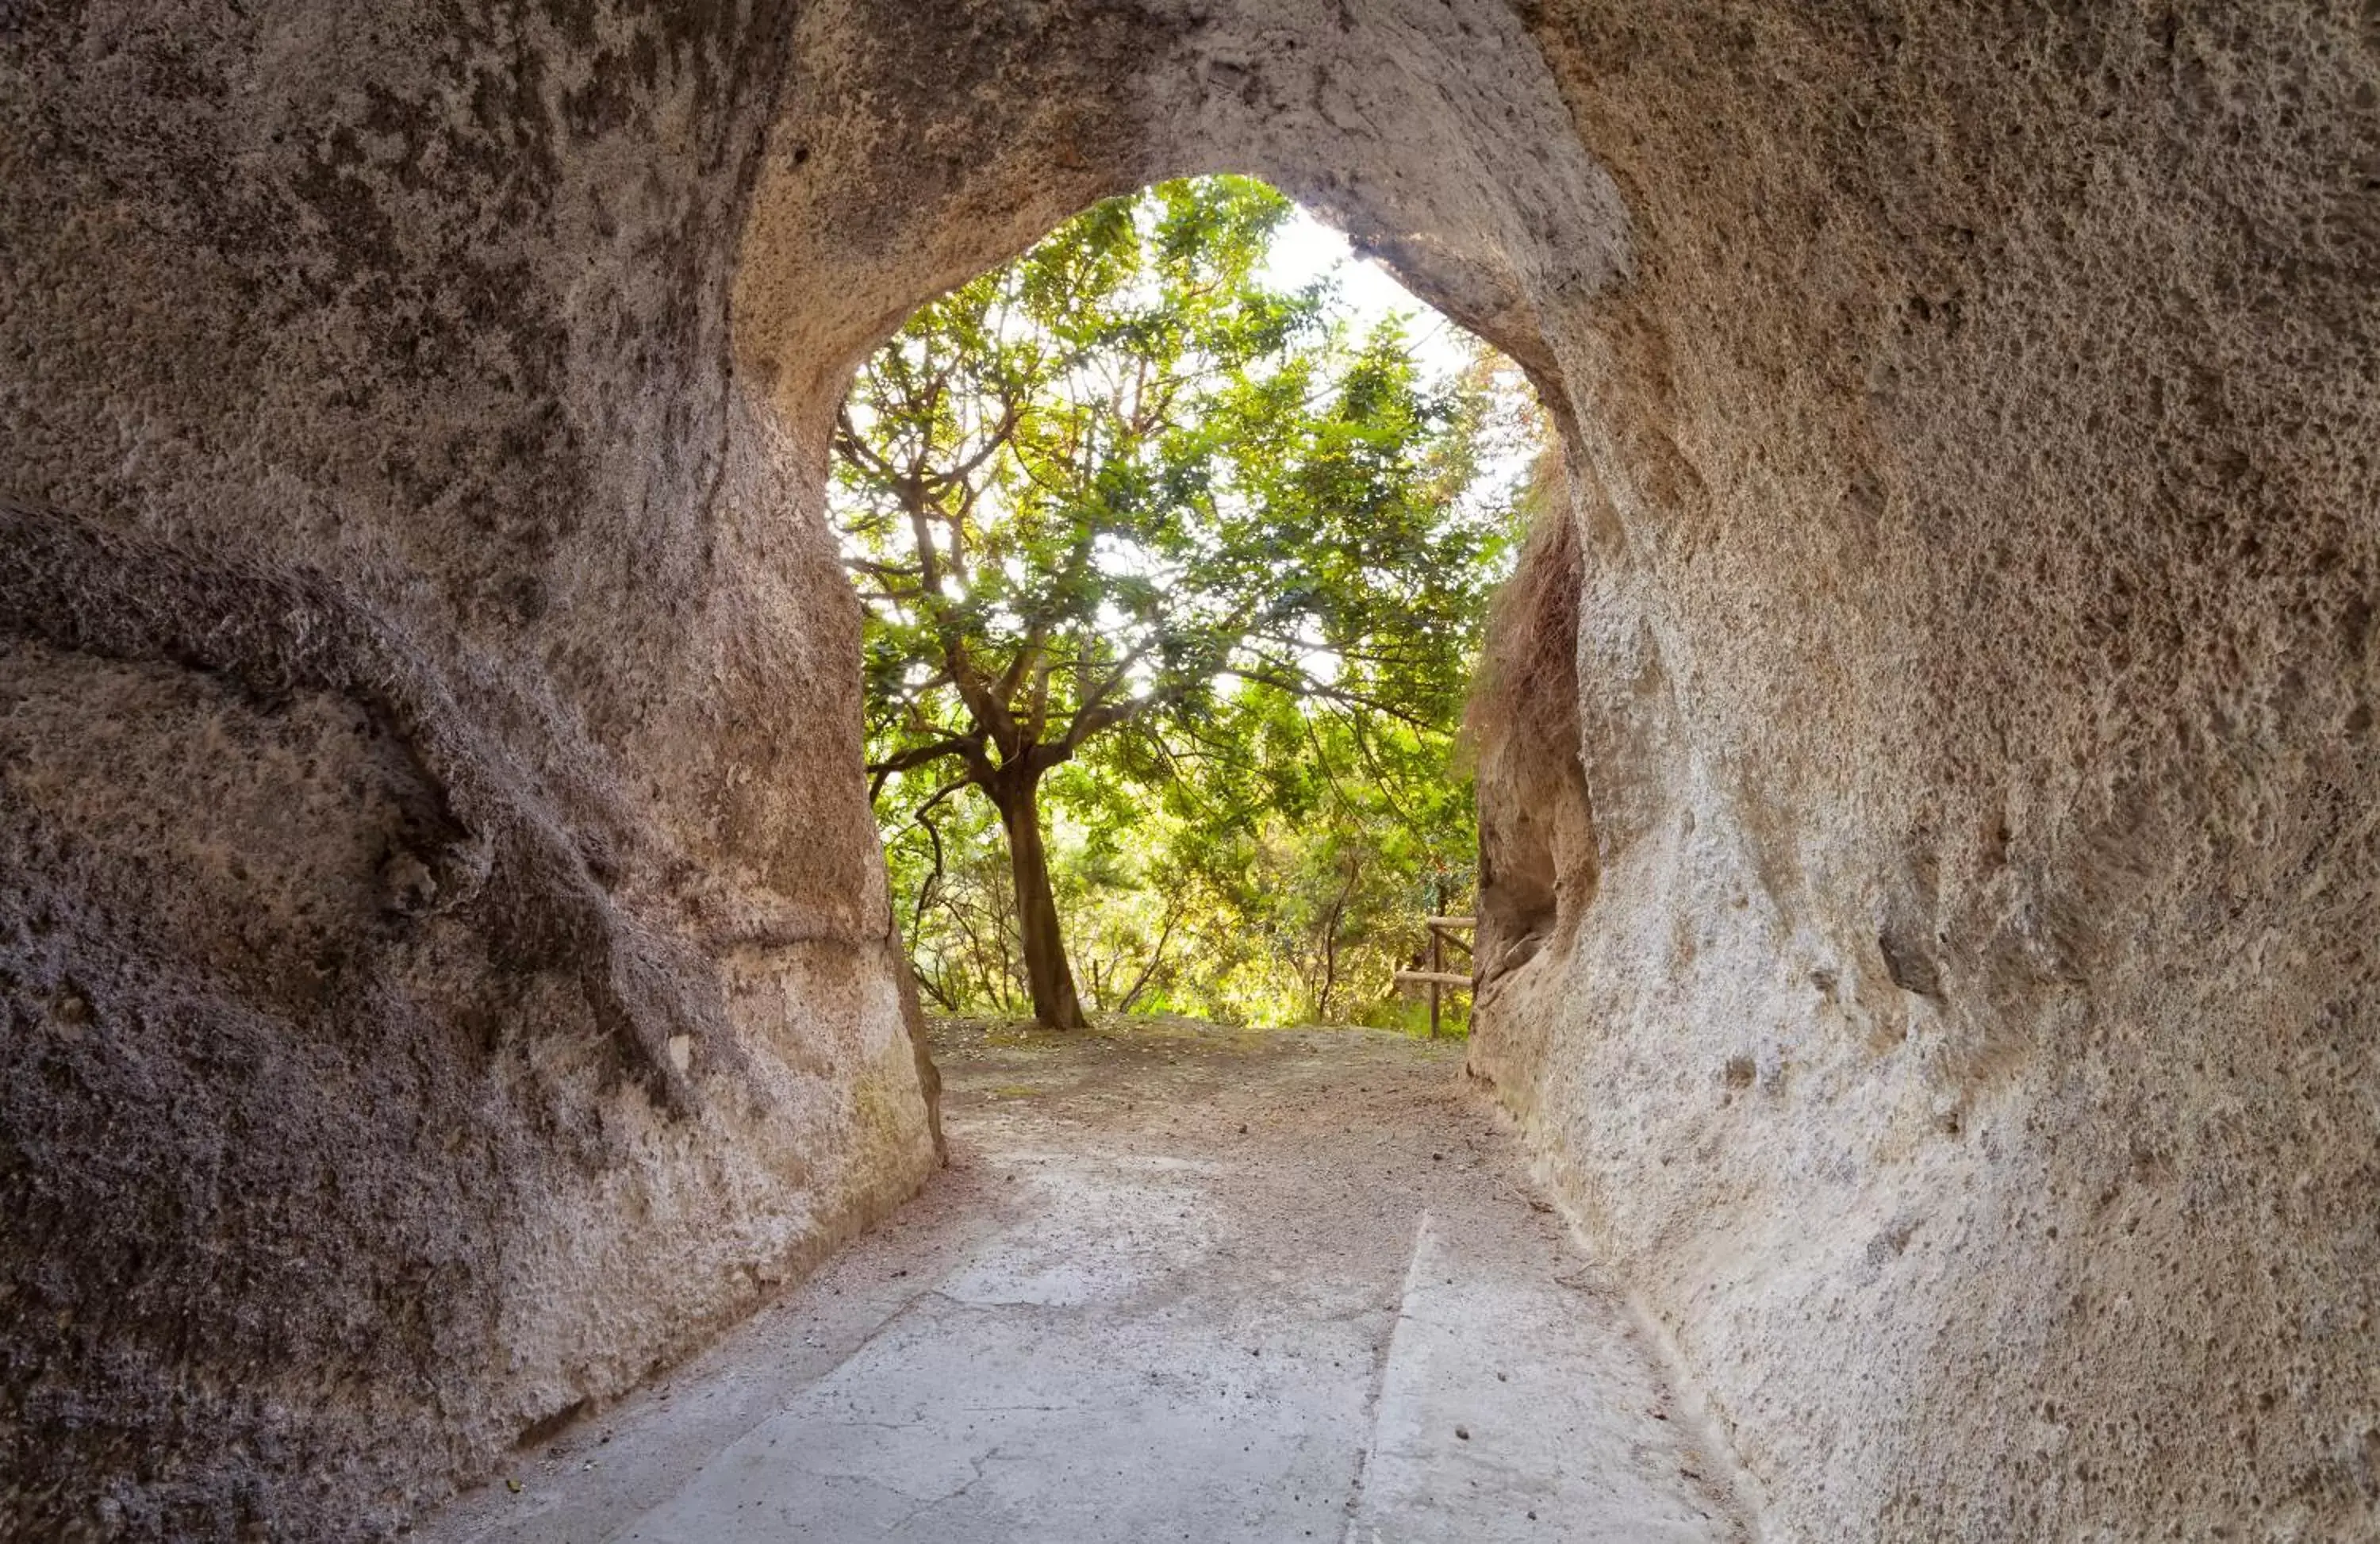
(1927, 784)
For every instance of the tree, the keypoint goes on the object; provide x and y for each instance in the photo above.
(1122, 495)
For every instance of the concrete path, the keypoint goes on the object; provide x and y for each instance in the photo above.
(1177, 1284)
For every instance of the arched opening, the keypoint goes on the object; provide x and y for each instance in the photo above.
(1149, 1195)
(1175, 538)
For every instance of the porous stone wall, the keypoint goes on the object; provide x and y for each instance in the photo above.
(1969, 1051)
(1925, 794)
(445, 966)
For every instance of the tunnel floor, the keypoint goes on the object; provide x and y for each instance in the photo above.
(1178, 1282)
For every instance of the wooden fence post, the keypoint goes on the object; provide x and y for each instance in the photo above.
(1435, 960)
(1437, 978)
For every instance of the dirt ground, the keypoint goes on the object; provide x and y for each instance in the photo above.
(1178, 1281)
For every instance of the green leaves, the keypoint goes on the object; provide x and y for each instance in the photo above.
(1123, 503)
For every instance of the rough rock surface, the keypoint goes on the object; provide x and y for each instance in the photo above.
(444, 953)
(1971, 1046)
(447, 960)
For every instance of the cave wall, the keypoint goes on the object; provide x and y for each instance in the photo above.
(446, 954)
(1968, 1049)
(445, 966)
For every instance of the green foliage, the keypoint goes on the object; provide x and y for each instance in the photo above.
(1198, 568)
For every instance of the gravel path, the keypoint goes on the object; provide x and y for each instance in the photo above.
(1178, 1282)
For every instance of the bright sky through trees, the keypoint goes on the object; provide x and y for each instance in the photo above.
(1305, 250)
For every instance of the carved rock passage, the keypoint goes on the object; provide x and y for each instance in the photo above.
(444, 951)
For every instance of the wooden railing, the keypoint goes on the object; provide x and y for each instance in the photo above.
(1437, 978)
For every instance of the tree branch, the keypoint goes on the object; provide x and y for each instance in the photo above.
(918, 756)
(1173, 909)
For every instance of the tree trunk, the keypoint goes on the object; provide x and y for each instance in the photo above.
(1047, 974)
